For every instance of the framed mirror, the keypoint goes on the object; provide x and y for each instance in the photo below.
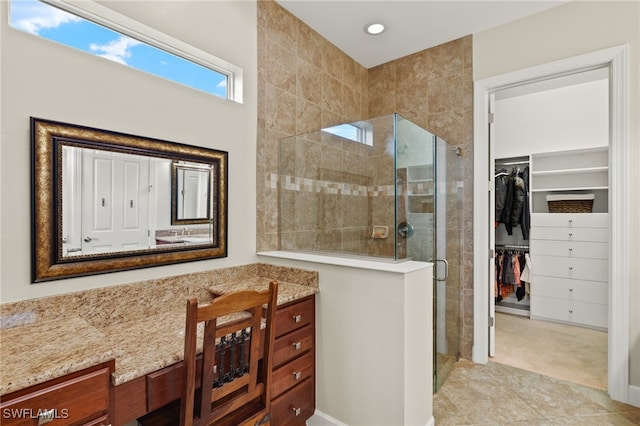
(105, 201)
(190, 194)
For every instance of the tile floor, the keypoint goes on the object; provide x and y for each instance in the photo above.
(497, 394)
(576, 354)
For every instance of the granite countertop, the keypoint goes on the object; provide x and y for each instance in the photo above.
(46, 350)
(36, 352)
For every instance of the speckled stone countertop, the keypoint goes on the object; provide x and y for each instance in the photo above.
(140, 325)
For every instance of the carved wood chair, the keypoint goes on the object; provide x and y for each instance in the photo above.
(234, 388)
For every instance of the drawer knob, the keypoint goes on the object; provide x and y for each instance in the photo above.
(297, 318)
(571, 268)
(570, 311)
(297, 411)
(297, 375)
(570, 220)
(571, 234)
(46, 416)
(570, 248)
(570, 288)
(297, 346)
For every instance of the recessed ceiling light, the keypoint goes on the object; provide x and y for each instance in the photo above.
(374, 28)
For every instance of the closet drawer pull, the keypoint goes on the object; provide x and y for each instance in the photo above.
(571, 234)
(570, 220)
(571, 268)
(571, 289)
(297, 346)
(297, 375)
(296, 318)
(570, 311)
(296, 411)
(570, 248)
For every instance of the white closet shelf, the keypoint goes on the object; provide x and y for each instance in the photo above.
(570, 171)
(556, 189)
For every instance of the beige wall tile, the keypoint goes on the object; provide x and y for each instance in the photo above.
(279, 71)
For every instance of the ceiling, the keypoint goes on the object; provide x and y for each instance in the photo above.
(411, 26)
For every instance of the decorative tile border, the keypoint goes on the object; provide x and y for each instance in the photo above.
(292, 183)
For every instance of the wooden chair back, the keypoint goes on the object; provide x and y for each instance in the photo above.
(235, 384)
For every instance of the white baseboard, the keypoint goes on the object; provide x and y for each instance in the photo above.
(634, 395)
(323, 419)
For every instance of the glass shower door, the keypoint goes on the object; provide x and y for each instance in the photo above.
(447, 249)
(429, 224)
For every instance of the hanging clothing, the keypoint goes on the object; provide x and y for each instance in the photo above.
(505, 217)
(501, 183)
(512, 205)
(519, 195)
(526, 274)
(525, 219)
(512, 270)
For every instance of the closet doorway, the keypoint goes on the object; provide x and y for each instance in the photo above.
(614, 59)
(550, 291)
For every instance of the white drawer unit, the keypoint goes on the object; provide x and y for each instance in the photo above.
(571, 290)
(573, 312)
(570, 220)
(571, 249)
(570, 234)
(574, 268)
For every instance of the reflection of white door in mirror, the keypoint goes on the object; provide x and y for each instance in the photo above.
(193, 187)
(115, 205)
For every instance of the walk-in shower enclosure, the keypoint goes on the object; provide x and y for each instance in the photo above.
(385, 189)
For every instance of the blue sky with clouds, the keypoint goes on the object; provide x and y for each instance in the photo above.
(54, 24)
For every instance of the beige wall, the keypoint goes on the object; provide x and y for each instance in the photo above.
(565, 31)
(43, 79)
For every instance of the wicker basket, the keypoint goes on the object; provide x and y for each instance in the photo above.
(570, 203)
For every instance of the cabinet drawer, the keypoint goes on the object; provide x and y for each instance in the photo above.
(574, 268)
(102, 421)
(293, 344)
(570, 234)
(575, 220)
(573, 290)
(579, 313)
(291, 317)
(78, 397)
(292, 373)
(586, 249)
(294, 407)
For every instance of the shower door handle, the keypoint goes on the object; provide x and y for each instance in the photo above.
(446, 269)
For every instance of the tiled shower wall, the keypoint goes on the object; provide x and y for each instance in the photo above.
(434, 89)
(305, 83)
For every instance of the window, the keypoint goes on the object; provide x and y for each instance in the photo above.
(133, 44)
(360, 131)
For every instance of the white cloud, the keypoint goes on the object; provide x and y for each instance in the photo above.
(117, 50)
(33, 16)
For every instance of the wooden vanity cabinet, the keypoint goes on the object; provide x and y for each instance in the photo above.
(293, 381)
(80, 398)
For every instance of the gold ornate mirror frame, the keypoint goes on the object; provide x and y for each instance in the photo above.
(49, 262)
